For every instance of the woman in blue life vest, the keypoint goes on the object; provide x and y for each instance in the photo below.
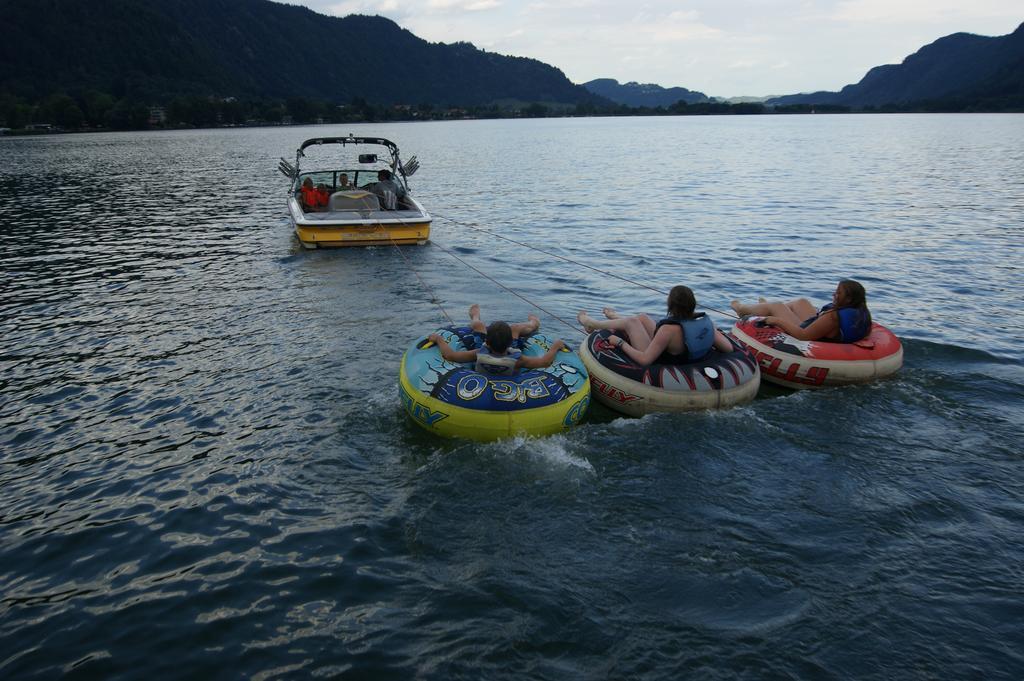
(681, 337)
(845, 320)
(498, 352)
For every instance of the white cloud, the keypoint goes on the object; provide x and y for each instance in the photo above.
(922, 11)
(342, 9)
(689, 16)
(676, 26)
(462, 5)
(567, 4)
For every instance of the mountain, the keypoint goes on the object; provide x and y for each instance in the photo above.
(647, 94)
(744, 99)
(154, 49)
(961, 66)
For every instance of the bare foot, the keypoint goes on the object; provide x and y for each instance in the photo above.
(536, 322)
(474, 313)
(739, 308)
(610, 313)
(585, 321)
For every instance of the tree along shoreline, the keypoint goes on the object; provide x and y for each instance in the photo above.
(95, 111)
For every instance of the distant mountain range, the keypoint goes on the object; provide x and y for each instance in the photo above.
(647, 94)
(155, 49)
(149, 52)
(985, 71)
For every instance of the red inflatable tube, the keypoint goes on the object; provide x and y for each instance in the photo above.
(817, 364)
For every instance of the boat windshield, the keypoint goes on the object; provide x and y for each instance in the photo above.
(360, 178)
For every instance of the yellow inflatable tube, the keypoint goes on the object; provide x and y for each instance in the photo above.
(454, 400)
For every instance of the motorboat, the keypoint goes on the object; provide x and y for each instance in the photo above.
(364, 194)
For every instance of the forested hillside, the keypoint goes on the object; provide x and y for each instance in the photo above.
(87, 64)
(154, 50)
(643, 94)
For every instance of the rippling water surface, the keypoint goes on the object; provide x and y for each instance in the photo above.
(206, 472)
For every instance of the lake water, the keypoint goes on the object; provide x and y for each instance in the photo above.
(206, 472)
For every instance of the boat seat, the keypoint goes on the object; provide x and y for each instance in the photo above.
(353, 200)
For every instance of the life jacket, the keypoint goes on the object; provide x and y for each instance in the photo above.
(323, 197)
(497, 365)
(854, 322)
(310, 196)
(698, 334)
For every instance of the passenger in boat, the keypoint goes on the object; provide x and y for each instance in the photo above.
(313, 199)
(387, 190)
(323, 195)
(681, 337)
(499, 353)
(343, 183)
(307, 195)
(845, 320)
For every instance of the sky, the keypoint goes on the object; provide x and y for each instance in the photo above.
(722, 48)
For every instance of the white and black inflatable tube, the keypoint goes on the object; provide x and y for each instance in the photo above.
(717, 381)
